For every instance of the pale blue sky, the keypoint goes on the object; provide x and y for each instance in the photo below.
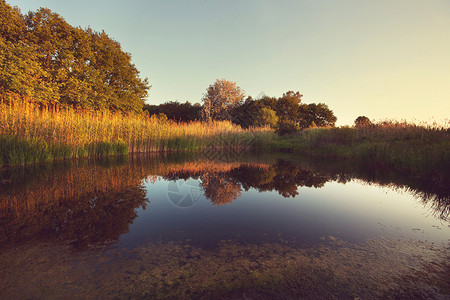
(383, 58)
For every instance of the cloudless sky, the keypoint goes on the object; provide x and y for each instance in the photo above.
(382, 59)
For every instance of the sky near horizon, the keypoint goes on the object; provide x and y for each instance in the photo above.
(383, 59)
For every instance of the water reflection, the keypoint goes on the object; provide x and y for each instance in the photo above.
(224, 186)
(82, 203)
(106, 229)
(92, 203)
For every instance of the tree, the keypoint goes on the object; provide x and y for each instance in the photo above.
(266, 116)
(363, 122)
(316, 114)
(45, 60)
(286, 126)
(120, 83)
(254, 113)
(12, 26)
(220, 98)
(288, 106)
(180, 112)
(21, 76)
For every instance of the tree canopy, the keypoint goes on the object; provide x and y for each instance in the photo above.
(45, 60)
(220, 98)
(363, 122)
(286, 114)
(180, 112)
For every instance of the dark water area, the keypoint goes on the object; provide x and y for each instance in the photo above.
(230, 226)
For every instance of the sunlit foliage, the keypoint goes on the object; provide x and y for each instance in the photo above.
(45, 60)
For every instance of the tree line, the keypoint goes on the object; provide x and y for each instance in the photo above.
(225, 100)
(45, 60)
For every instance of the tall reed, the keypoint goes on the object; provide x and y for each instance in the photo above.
(398, 145)
(42, 134)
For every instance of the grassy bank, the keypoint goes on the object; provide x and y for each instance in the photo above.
(400, 146)
(21, 151)
(30, 135)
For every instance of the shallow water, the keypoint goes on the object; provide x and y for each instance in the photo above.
(236, 226)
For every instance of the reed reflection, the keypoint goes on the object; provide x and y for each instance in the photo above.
(92, 203)
(81, 203)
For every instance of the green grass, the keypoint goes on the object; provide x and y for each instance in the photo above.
(400, 146)
(30, 135)
(15, 151)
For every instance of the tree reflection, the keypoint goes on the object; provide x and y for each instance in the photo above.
(83, 205)
(97, 219)
(90, 203)
(220, 188)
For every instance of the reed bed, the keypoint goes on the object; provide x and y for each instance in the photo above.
(31, 135)
(399, 145)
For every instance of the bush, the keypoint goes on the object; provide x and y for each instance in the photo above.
(285, 126)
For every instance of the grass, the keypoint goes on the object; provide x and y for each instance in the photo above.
(401, 146)
(32, 135)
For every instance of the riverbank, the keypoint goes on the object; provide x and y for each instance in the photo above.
(400, 146)
(29, 135)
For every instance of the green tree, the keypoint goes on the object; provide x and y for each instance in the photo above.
(180, 112)
(44, 59)
(316, 114)
(12, 26)
(287, 109)
(53, 36)
(21, 76)
(121, 87)
(253, 113)
(266, 116)
(288, 106)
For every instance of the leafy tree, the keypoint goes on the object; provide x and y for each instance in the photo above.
(287, 114)
(220, 98)
(253, 113)
(363, 122)
(180, 112)
(120, 86)
(266, 116)
(316, 114)
(270, 102)
(45, 60)
(286, 126)
(288, 106)
(20, 73)
(12, 26)
(55, 51)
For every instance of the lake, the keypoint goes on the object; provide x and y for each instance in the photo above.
(222, 225)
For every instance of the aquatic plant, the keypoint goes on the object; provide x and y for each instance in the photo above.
(399, 145)
(31, 135)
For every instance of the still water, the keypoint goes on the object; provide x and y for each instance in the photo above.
(229, 226)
